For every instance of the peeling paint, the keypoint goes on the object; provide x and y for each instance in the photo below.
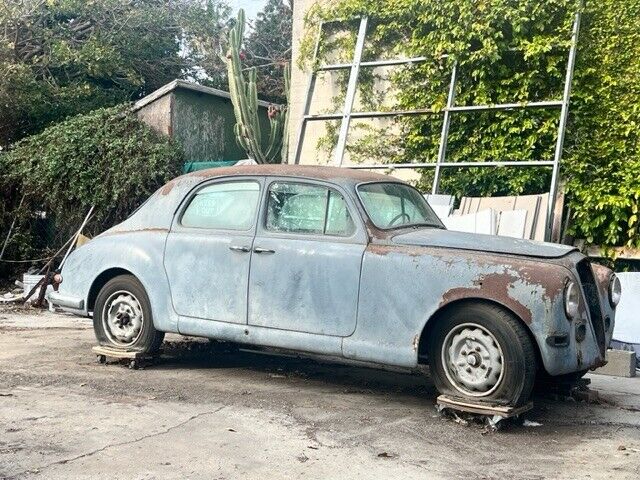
(495, 287)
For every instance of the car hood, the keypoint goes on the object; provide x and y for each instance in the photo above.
(436, 237)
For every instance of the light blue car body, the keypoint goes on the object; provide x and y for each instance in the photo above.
(370, 297)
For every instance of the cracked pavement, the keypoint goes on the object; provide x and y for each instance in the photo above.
(197, 415)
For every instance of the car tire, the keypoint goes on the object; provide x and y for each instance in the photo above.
(483, 354)
(122, 316)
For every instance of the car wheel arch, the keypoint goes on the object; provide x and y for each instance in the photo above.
(100, 282)
(442, 311)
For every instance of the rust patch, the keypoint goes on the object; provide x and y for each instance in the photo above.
(548, 275)
(412, 251)
(494, 286)
(579, 357)
(167, 188)
(603, 276)
(308, 171)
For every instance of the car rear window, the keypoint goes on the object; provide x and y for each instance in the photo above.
(225, 206)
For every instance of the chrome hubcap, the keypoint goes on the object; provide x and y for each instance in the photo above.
(472, 360)
(122, 318)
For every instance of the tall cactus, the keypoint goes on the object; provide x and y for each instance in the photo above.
(244, 96)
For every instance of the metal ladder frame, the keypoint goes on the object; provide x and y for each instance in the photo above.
(347, 114)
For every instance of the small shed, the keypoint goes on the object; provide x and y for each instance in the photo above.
(200, 118)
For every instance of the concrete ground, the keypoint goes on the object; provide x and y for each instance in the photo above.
(250, 415)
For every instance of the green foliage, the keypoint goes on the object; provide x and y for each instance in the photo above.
(63, 57)
(244, 96)
(603, 161)
(107, 158)
(512, 52)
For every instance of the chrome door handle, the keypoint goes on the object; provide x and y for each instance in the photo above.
(263, 250)
(240, 248)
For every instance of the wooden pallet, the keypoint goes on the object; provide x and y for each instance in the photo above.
(136, 359)
(503, 411)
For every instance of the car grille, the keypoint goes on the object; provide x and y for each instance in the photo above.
(593, 301)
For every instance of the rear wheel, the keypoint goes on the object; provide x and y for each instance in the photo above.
(122, 316)
(481, 353)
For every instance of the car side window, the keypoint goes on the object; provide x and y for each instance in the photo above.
(225, 206)
(305, 208)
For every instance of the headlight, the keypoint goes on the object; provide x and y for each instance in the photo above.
(615, 291)
(571, 300)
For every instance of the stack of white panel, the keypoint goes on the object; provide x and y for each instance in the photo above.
(518, 216)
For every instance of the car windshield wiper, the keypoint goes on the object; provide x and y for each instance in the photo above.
(424, 224)
(417, 225)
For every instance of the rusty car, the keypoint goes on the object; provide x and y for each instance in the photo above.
(346, 264)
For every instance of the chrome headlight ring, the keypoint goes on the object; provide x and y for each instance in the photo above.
(571, 300)
(615, 290)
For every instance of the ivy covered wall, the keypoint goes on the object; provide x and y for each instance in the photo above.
(510, 52)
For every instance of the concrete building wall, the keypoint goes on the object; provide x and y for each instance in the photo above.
(203, 124)
(158, 115)
(326, 90)
(299, 80)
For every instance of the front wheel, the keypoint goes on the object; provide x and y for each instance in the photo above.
(122, 316)
(481, 353)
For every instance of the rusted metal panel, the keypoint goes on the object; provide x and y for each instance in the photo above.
(402, 290)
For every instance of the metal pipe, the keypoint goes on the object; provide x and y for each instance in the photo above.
(75, 237)
(307, 103)
(351, 93)
(562, 124)
(372, 63)
(430, 111)
(391, 113)
(509, 163)
(507, 106)
(444, 136)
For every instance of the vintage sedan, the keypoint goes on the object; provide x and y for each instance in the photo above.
(348, 264)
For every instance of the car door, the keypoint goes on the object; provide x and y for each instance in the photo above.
(208, 250)
(306, 260)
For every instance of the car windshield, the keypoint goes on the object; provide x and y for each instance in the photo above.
(395, 205)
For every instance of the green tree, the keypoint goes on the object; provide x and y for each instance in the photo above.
(268, 48)
(63, 57)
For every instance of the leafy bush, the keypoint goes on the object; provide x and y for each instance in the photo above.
(107, 158)
(65, 57)
(514, 52)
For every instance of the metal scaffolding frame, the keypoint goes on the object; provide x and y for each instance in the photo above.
(347, 114)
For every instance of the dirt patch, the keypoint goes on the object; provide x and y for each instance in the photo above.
(200, 413)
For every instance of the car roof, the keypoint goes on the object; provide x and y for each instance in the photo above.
(338, 175)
